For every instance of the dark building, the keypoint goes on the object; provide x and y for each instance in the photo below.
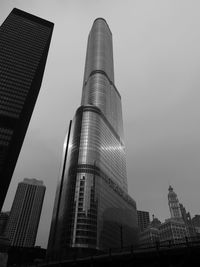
(92, 209)
(188, 221)
(149, 234)
(185, 215)
(143, 219)
(196, 223)
(20, 256)
(196, 220)
(155, 223)
(24, 217)
(24, 45)
(3, 221)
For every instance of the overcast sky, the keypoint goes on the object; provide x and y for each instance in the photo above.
(157, 64)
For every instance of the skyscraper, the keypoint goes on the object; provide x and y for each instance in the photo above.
(24, 45)
(92, 208)
(143, 219)
(25, 213)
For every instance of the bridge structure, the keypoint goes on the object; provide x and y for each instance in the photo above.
(182, 252)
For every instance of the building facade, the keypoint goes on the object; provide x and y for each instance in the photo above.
(188, 221)
(24, 217)
(24, 45)
(176, 229)
(173, 230)
(143, 219)
(196, 224)
(173, 203)
(149, 236)
(155, 222)
(196, 220)
(3, 221)
(92, 207)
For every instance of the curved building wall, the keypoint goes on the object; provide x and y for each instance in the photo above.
(99, 92)
(101, 146)
(98, 85)
(93, 206)
(99, 50)
(101, 213)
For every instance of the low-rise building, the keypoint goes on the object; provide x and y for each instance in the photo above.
(196, 220)
(149, 236)
(172, 229)
(196, 224)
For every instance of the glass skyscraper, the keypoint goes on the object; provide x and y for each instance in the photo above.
(24, 45)
(92, 208)
(24, 217)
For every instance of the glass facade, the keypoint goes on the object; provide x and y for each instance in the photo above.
(25, 213)
(99, 50)
(24, 44)
(92, 208)
(99, 92)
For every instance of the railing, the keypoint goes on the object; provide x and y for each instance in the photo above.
(186, 242)
(145, 247)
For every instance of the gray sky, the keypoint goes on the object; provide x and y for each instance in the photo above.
(157, 65)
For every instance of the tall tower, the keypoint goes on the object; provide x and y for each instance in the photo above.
(25, 213)
(92, 209)
(143, 219)
(174, 206)
(24, 45)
